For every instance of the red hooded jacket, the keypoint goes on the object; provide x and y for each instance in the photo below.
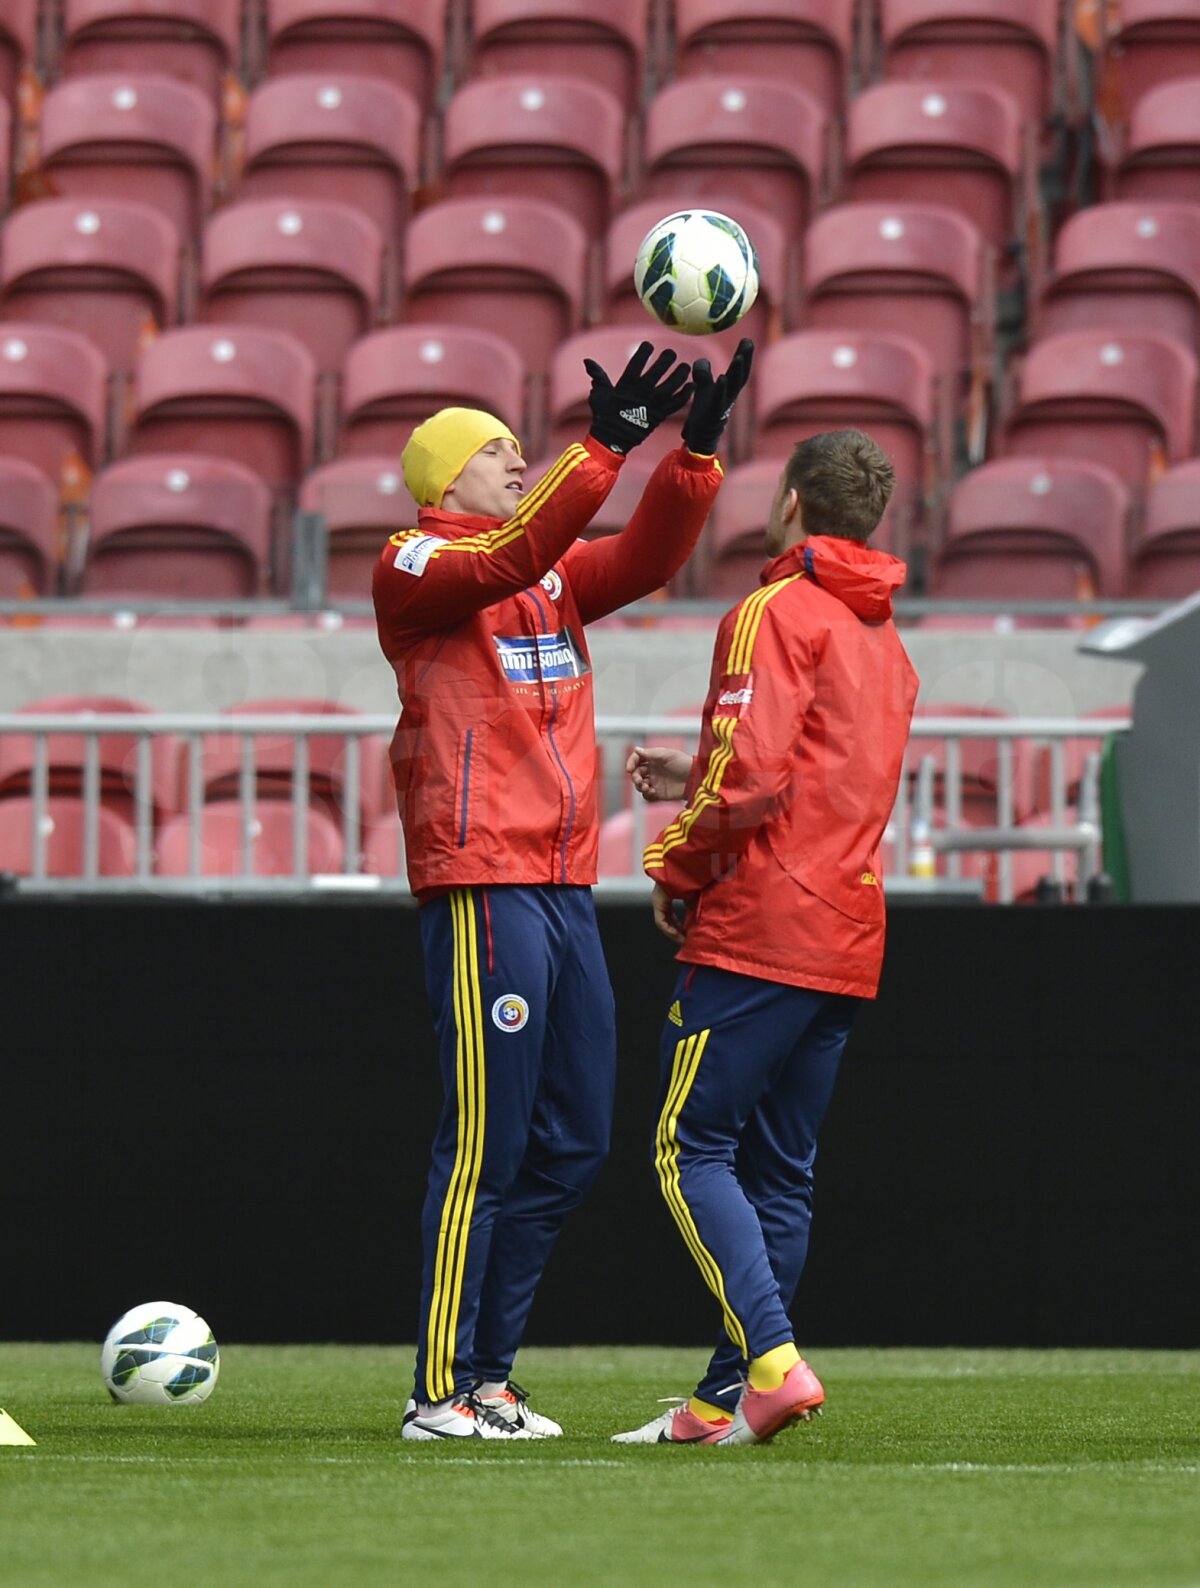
(482, 619)
(807, 717)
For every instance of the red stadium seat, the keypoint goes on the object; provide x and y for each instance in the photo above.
(601, 41)
(29, 531)
(53, 397)
(314, 269)
(197, 41)
(764, 138)
(979, 766)
(64, 830)
(109, 270)
(271, 837)
(558, 139)
(618, 836)
(330, 135)
(734, 547)
(956, 144)
(1132, 266)
(394, 378)
(1149, 42)
(1011, 44)
(66, 756)
(1126, 400)
(776, 291)
(1165, 561)
(363, 501)
(1034, 528)
(147, 138)
(5, 140)
(830, 380)
(18, 47)
(805, 43)
(231, 391)
(275, 760)
(188, 526)
(568, 413)
(1161, 154)
(400, 41)
(485, 262)
(916, 270)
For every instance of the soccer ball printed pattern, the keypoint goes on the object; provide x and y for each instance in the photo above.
(696, 271)
(160, 1354)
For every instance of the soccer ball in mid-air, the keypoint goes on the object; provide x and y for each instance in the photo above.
(696, 271)
(160, 1354)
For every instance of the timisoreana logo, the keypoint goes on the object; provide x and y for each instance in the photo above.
(526, 658)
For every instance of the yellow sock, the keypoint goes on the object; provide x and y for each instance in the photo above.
(707, 1411)
(767, 1372)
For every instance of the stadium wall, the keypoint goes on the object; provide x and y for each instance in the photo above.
(230, 1105)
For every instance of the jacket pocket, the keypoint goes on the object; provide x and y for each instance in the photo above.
(852, 892)
(470, 784)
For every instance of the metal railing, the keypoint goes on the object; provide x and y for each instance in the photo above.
(913, 838)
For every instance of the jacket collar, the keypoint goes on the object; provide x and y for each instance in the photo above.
(862, 578)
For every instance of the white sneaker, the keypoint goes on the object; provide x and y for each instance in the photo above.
(512, 1404)
(462, 1418)
(678, 1425)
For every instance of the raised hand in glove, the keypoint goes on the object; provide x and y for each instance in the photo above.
(713, 399)
(624, 415)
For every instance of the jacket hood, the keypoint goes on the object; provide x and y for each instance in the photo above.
(860, 577)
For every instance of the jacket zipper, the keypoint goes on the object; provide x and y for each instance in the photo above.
(570, 823)
(466, 790)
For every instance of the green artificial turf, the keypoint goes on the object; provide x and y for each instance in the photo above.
(943, 1469)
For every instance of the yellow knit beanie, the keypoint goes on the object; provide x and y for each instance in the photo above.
(439, 450)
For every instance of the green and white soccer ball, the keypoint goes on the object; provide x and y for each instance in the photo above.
(696, 272)
(160, 1354)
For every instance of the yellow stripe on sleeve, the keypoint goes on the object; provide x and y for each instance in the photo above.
(493, 539)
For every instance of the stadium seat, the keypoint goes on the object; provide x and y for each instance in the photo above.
(762, 137)
(618, 836)
(141, 137)
(515, 263)
(64, 830)
(363, 501)
(1131, 266)
(733, 550)
(1012, 44)
(776, 291)
(188, 526)
(917, 270)
(232, 391)
(66, 757)
(612, 346)
(979, 763)
(275, 759)
(558, 139)
(1160, 156)
(1164, 564)
(29, 531)
(602, 42)
(1126, 400)
(53, 398)
(18, 47)
(330, 135)
(5, 141)
(396, 377)
(808, 45)
(958, 144)
(314, 269)
(829, 380)
(271, 836)
(1034, 528)
(1148, 43)
(399, 41)
(109, 270)
(197, 41)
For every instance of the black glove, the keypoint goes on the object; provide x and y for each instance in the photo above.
(713, 399)
(625, 414)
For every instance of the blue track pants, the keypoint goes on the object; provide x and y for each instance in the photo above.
(524, 1013)
(746, 1078)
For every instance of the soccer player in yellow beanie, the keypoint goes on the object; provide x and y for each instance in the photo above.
(481, 610)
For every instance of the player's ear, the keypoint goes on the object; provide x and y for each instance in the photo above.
(791, 506)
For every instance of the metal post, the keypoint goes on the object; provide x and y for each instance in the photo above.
(300, 807)
(143, 806)
(351, 807)
(91, 805)
(41, 792)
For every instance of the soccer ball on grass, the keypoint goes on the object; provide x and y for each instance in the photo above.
(696, 271)
(160, 1354)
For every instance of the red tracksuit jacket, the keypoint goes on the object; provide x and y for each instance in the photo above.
(807, 717)
(495, 752)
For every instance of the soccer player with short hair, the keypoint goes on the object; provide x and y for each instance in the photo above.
(481, 611)
(776, 858)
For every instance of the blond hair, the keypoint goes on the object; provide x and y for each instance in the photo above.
(843, 480)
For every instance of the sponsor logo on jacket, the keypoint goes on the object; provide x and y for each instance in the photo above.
(524, 658)
(734, 699)
(415, 554)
